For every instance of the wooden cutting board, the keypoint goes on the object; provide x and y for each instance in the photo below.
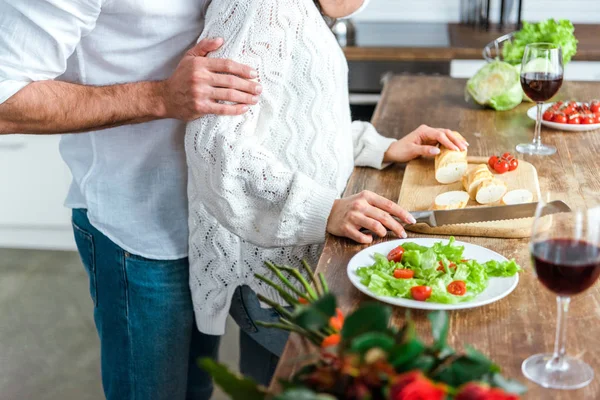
(419, 189)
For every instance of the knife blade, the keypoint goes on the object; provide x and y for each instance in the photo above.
(485, 214)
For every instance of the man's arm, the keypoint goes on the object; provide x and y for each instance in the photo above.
(57, 107)
(341, 8)
(36, 39)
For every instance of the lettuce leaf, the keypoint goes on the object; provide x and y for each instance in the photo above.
(559, 32)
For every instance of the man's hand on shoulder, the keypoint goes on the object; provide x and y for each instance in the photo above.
(199, 84)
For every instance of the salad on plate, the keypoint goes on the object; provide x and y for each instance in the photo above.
(438, 273)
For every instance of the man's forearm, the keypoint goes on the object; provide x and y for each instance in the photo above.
(48, 107)
(340, 8)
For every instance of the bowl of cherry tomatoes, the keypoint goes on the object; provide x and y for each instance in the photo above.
(569, 115)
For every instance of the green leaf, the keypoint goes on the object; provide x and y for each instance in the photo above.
(361, 344)
(472, 366)
(508, 385)
(369, 317)
(439, 328)
(423, 363)
(406, 353)
(302, 394)
(480, 358)
(238, 388)
(316, 315)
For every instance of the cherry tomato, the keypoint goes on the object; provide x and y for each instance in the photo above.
(507, 156)
(560, 118)
(595, 107)
(420, 293)
(574, 119)
(403, 273)
(557, 105)
(548, 115)
(396, 254)
(458, 288)
(501, 166)
(492, 161)
(598, 117)
(588, 119)
(513, 164)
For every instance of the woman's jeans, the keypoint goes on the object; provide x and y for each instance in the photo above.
(149, 343)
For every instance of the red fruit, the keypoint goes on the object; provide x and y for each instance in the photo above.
(415, 386)
(501, 166)
(492, 161)
(513, 164)
(480, 391)
(396, 254)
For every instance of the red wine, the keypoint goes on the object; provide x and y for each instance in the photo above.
(566, 266)
(540, 86)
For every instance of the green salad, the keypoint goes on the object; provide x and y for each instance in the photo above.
(437, 274)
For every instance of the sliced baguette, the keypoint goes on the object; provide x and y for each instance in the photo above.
(451, 200)
(490, 191)
(474, 179)
(450, 165)
(518, 196)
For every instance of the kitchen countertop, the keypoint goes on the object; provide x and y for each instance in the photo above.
(522, 324)
(380, 41)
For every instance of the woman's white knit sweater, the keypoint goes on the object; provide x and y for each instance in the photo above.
(261, 185)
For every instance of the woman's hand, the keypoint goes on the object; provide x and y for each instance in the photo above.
(366, 210)
(423, 142)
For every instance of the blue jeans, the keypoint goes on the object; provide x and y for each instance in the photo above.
(144, 316)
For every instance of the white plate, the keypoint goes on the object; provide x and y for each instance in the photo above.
(532, 113)
(497, 289)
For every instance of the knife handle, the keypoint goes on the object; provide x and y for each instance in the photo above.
(425, 217)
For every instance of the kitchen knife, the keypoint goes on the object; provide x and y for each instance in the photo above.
(484, 214)
(437, 218)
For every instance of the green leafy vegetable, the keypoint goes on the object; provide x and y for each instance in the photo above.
(426, 263)
(496, 85)
(549, 31)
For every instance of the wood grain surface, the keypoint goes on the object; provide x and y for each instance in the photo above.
(419, 189)
(466, 43)
(522, 324)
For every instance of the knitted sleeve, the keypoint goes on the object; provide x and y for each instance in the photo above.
(369, 145)
(244, 185)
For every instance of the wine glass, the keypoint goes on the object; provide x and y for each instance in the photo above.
(565, 248)
(541, 77)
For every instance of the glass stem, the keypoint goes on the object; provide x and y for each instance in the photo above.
(537, 137)
(558, 358)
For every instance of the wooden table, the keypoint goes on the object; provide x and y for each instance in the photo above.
(522, 324)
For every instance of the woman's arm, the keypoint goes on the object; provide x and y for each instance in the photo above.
(342, 8)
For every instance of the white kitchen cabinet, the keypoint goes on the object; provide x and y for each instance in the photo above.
(574, 71)
(33, 184)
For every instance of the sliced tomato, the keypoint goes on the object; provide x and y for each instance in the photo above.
(403, 273)
(501, 166)
(458, 288)
(513, 164)
(464, 260)
(441, 266)
(420, 293)
(396, 254)
(492, 161)
(560, 118)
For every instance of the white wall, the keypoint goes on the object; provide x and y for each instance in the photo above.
(578, 11)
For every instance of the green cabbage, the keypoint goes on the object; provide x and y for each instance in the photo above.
(549, 31)
(496, 85)
(424, 261)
